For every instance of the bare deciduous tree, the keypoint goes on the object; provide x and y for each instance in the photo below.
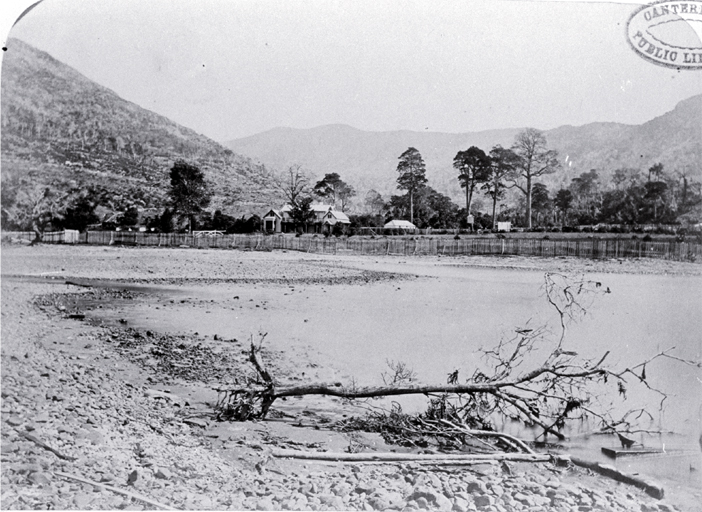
(534, 160)
(35, 206)
(294, 184)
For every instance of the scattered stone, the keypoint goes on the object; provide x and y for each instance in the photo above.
(365, 487)
(90, 434)
(163, 473)
(196, 422)
(27, 468)
(432, 496)
(133, 477)
(39, 478)
(14, 421)
(83, 500)
(460, 505)
(476, 487)
(265, 504)
(134, 506)
(341, 489)
(7, 448)
(483, 501)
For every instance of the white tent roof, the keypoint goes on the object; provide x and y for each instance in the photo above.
(401, 224)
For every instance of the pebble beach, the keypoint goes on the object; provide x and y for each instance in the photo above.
(88, 425)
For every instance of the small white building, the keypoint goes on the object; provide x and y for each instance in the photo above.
(400, 224)
(504, 226)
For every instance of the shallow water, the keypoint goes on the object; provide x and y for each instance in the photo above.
(437, 324)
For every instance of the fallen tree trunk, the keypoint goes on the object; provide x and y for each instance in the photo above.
(409, 457)
(238, 402)
(364, 392)
(117, 490)
(560, 388)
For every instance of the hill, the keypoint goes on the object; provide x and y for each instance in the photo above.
(673, 139)
(369, 159)
(61, 129)
(364, 159)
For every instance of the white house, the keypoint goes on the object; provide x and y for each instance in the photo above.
(334, 218)
(280, 221)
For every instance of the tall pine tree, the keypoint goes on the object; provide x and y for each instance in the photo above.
(412, 175)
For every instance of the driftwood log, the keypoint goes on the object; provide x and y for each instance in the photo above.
(411, 457)
(651, 488)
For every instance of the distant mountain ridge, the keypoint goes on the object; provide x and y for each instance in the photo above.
(60, 128)
(369, 159)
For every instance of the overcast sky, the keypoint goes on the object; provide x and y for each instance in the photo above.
(232, 68)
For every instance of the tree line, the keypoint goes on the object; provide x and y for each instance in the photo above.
(631, 197)
(506, 177)
(38, 207)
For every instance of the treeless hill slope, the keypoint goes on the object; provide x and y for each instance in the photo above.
(369, 159)
(58, 128)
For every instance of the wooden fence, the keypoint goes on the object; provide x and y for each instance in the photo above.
(67, 236)
(593, 248)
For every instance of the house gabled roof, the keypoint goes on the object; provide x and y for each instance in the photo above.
(322, 208)
(316, 208)
(274, 213)
(333, 216)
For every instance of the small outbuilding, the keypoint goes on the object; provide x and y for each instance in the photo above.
(400, 224)
(504, 227)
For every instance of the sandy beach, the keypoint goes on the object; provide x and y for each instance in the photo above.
(133, 429)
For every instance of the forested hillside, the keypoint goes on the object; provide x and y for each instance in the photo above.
(62, 130)
(673, 139)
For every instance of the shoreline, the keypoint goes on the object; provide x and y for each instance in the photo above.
(51, 364)
(150, 264)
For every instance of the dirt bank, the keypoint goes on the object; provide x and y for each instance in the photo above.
(134, 419)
